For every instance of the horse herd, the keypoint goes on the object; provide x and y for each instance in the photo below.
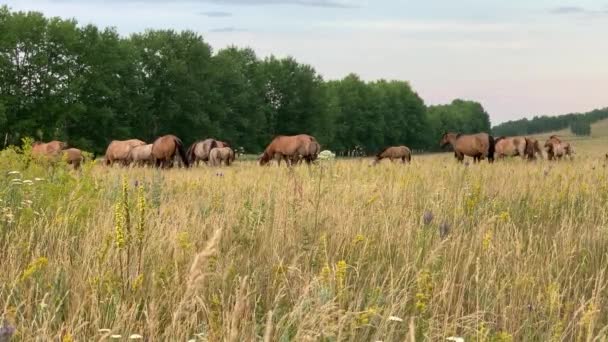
(295, 149)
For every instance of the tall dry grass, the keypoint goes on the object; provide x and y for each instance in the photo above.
(340, 251)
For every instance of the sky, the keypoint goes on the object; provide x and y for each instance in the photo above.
(519, 58)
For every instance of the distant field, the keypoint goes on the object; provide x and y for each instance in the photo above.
(514, 251)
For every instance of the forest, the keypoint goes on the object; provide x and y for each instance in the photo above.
(579, 124)
(88, 85)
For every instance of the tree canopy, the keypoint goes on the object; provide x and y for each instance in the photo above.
(88, 86)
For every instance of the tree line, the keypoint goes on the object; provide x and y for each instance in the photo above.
(87, 86)
(579, 123)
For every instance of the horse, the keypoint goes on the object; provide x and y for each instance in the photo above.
(288, 147)
(394, 152)
(141, 155)
(510, 147)
(74, 157)
(533, 149)
(48, 150)
(221, 154)
(199, 151)
(164, 150)
(118, 150)
(478, 145)
(556, 149)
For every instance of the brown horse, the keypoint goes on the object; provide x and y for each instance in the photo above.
(48, 150)
(221, 154)
(74, 157)
(394, 152)
(288, 147)
(510, 147)
(556, 148)
(533, 149)
(199, 151)
(118, 150)
(141, 155)
(478, 145)
(164, 150)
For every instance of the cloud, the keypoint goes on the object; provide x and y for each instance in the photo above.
(307, 3)
(216, 14)
(567, 10)
(227, 29)
(418, 26)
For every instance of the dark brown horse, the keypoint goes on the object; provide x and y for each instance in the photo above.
(478, 146)
(164, 150)
(533, 149)
(394, 152)
(291, 148)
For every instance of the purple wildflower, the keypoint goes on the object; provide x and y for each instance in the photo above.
(427, 218)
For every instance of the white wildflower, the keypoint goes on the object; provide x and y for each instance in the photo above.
(455, 339)
(104, 330)
(135, 337)
(395, 319)
(38, 179)
(115, 336)
(13, 172)
(28, 182)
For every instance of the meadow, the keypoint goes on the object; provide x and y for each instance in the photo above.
(515, 251)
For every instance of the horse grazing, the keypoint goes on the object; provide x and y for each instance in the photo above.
(291, 148)
(118, 151)
(199, 151)
(48, 150)
(141, 155)
(478, 146)
(74, 157)
(556, 148)
(533, 149)
(510, 147)
(394, 152)
(221, 154)
(164, 150)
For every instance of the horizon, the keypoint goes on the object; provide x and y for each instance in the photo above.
(518, 60)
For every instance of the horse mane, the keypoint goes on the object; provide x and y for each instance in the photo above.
(503, 137)
(458, 135)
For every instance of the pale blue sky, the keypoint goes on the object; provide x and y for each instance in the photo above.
(518, 58)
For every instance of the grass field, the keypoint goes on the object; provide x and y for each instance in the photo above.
(514, 251)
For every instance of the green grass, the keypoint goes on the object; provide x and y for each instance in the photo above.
(334, 252)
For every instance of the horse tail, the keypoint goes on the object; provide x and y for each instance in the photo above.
(491, 148)
(179, 146)
(190, 152)
(409, 155)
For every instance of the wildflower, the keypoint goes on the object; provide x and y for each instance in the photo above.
(38, 179)
(444, 230)
(358, 238)
(115, 336)
(13, 173)
(395, 319)
(135, 337)
(34, 267)
(28, 182)
(427, 218)
(455, 339)
(6, 331)
(104, 330)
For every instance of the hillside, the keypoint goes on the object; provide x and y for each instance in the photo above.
(547, 124)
